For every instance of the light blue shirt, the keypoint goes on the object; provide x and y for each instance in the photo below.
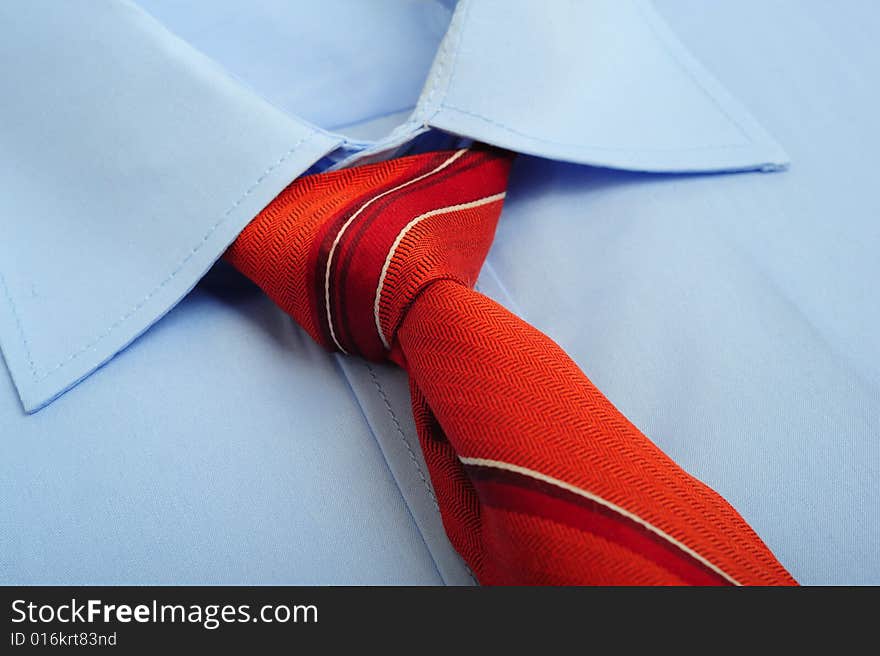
(731, 317)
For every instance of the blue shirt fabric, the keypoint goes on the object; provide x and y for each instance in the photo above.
(729, 316)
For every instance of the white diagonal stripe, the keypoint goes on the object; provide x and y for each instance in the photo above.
(440, 167)
(409, 226)
(497, 464)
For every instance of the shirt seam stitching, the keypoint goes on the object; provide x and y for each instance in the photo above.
(39, 377)
(664, 43)
(402, 436)
(354, 390)
(456, 32)
(428, 490)
(586, 147)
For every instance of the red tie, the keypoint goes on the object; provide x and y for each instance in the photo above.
(540, 480)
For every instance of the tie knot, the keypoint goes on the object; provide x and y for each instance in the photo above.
(345, 253)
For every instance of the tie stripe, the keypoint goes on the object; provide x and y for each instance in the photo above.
(377, 303)
(496, 389)
(521, 489)
(539, 478)
(342, 230)
(443, 189)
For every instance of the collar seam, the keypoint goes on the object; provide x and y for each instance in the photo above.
(128, 314)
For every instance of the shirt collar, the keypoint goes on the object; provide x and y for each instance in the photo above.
(130, 161)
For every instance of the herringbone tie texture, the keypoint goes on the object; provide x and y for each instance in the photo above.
(540, 480)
